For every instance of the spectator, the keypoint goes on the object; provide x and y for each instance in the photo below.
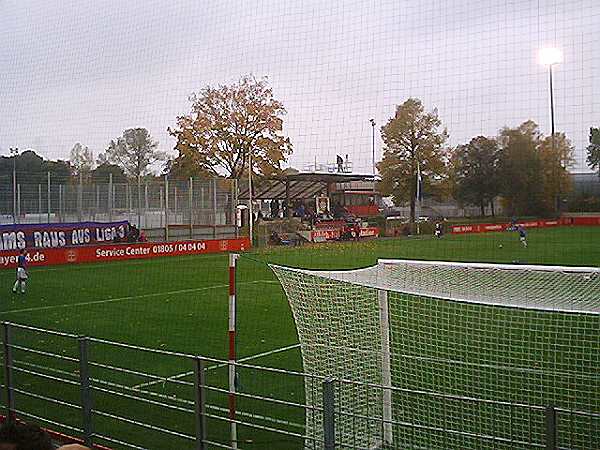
(274, 209)
(143, 237)
(133, 235)
(22, 436)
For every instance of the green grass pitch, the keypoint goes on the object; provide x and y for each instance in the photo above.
(180, 304)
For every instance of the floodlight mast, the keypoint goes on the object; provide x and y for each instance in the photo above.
(549, 57)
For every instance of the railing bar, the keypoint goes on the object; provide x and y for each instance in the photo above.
(141, 399)
(42, 330)
(43, 353)
(48, 399)
(118, 441)
(135, 372)
(51, 422)
(39, 366)
(49, 377)
(145, 425)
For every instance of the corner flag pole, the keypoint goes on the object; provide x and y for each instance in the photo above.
(232, 357)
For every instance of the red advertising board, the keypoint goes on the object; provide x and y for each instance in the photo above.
(330, 234)
(488, 227)
(120, 252)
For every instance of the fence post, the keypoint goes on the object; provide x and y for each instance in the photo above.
(550, 428)
(49, 205)
(86, 392)
(39, 219)
(97, 208)
(328, 414)
(175, 203)
(191, 206)
(8, 373)
(166, 208)
(139, 202)
(234, 206)
(200, 402)
(80, 198)
(60, 202)
(110, 197)
(19, 203)
(214, 189)
(146, 205)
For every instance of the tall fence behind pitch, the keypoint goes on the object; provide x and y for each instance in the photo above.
(165, 208)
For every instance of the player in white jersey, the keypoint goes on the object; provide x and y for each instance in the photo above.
(21, 273)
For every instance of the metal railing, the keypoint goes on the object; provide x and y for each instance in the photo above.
(120, 395)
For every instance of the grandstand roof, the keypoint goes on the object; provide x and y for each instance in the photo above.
(301, 185)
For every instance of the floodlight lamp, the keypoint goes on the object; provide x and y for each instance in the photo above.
(550, 56)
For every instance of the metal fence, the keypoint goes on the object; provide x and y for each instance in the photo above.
(124, 396)
(182, 205)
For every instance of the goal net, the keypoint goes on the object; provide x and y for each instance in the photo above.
(510, 334)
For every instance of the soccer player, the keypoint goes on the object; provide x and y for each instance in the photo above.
(522, 235)
(439, 230)
(21, 272)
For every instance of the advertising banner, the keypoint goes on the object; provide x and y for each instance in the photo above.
(57, 235)
(488, 227)
(120, 252)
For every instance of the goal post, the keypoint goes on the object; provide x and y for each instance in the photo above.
(498, 332)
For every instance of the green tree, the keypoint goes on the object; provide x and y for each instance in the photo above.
(556, 159)
(593, 150)
(475, 172)
(520, 169)
(226, 125)
(102, 172)
(533, 173)
(412, 139)
(82, 160)
(135, 152)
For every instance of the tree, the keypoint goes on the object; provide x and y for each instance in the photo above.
(412, 139)
(593, 150)
(520, 170)
(533, 171)
(102, 172)
(82, 160)
(555, 161)
(475, 170)
(226, 126)
(135, 152)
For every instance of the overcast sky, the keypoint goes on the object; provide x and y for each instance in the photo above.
(83, 71)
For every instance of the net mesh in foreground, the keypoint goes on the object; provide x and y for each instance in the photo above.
(510, 334)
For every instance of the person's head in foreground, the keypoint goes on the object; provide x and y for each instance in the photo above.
(22, 436)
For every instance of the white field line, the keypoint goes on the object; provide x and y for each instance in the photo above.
(100, 264)
(216, 366)
(131, 297)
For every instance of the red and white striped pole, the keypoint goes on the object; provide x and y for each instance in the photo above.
(232, 264)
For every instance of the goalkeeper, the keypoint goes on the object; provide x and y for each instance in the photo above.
(21, 273)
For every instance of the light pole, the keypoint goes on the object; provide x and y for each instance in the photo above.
(373, 142)
(250, 207)
(14, 152)
(549, 57)
(372, 121)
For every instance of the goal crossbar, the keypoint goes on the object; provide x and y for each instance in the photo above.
(552, 288)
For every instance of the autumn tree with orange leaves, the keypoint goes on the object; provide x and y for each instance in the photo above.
(227, 125)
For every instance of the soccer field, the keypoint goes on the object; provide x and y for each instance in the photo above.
(180, 305)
